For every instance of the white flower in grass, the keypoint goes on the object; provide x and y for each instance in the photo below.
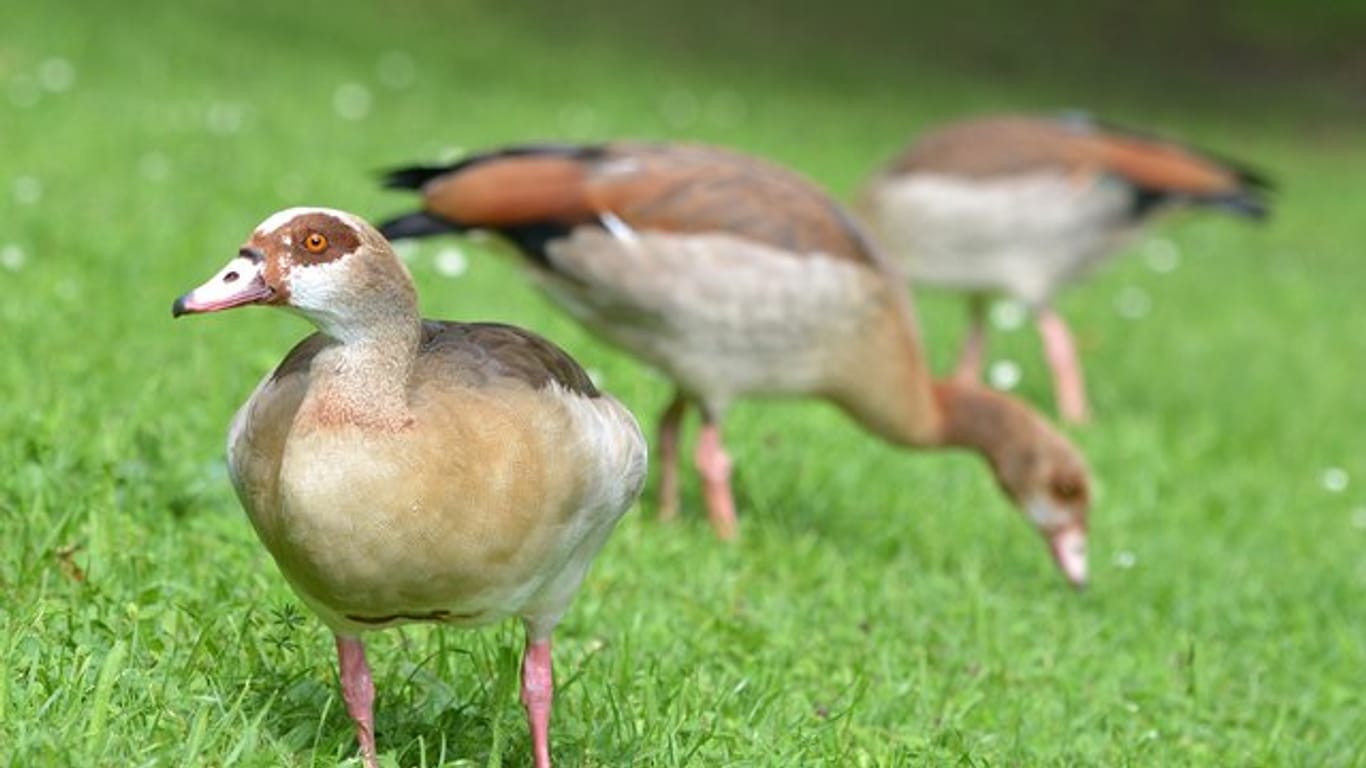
(1004, 375)
(68, 290)
(451, 262)
(1334, 479)
(1007, 315)
(1133, 303)
(1359, 518)
(578, 119)
(1125, 559)
(1161, 255)
(12, 257)
(224, 118)
(405, 249)
(351, 101)
(397, 70)
(153, 166)
(57, 74)
(27, 190)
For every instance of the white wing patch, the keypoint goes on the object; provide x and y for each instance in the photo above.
(619, 229)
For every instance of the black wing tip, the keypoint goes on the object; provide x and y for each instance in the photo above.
(1249, 177)
(1253, 178)
(411, 177)
(414, 225)
(1248, 206)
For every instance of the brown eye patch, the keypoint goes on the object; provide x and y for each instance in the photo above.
(320, 237)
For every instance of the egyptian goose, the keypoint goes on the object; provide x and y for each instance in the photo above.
(1023, 205)
(734, 278)
(403, 470)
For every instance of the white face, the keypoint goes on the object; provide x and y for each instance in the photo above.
(1047, 514)
(317, 289)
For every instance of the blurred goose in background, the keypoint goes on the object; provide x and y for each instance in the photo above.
(402, 470)
(1022, 206)
(737, 278)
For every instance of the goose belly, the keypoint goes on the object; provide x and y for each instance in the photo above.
(368, 541)
(1023, 235)
(721, 316)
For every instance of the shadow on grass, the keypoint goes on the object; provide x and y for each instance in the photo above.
(441, 695)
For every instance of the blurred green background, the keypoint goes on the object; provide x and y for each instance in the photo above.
(882, 608)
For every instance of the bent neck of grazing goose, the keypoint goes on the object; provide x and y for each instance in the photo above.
(1034, 464)
(893, 396)
(885, 385)
(984, 421)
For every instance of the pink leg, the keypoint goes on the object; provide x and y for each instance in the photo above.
(969, 367)
(669, 423)
(714, 466)
(358, 689)
(1061, 351)
(538, 688)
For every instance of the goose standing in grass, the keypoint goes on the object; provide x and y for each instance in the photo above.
(406, 470)
(1022, 206)
(737, 278)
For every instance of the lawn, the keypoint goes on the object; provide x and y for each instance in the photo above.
(881, 608)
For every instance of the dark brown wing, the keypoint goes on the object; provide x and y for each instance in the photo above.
(485, 351)
(531, 193)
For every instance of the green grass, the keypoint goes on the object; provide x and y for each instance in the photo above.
(882, 608)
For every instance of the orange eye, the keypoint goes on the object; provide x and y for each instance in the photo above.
(315, 243)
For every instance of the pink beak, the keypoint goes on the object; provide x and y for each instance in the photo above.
(240, 283)
(1068, 546)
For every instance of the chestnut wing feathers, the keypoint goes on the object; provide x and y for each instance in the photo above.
(534, 194)
(703, 190)
(1160, 170)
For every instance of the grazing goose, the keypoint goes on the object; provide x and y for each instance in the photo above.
(403, 470)
(736, 278)
(1023, 205)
